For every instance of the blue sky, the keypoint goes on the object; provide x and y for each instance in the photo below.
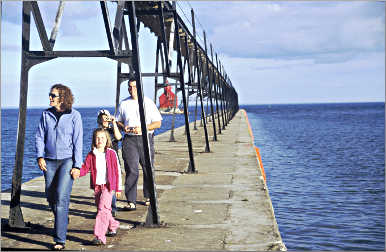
(274, 52)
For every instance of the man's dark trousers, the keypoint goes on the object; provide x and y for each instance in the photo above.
(133, 155)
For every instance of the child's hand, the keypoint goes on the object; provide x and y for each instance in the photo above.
(118, 194)
(75, 173)
(42, 164)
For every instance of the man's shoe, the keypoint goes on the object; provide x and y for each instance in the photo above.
(130, 207)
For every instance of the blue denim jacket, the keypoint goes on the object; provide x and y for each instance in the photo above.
(60, 139)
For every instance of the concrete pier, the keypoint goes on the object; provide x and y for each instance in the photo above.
(224, 206)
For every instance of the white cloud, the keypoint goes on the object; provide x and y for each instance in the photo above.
(301, 80)
(288, 29)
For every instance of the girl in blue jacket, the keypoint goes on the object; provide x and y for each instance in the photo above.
(59, 142)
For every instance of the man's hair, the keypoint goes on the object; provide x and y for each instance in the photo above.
(65, 96)
(131, 78)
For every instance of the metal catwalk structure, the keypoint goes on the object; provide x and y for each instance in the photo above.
(197, 74)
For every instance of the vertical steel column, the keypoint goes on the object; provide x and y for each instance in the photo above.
(226, 99)
(152, 217)
(203, 116)
(190, 77)
(190, 72)
(163, 36)
(118, 86)
(226, 103)
(119, 73)
(192, 168)
(207, 149)
(172, 139)
(215, 90)
(156, 70)
(16, 219)
(224, 95)
(210, 91)
(220, 86)
(195, 112)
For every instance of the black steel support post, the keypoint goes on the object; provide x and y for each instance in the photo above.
(214, 78)
(192, 168)
(207, 148)
(16, 219)
(225, 97)
(195, 112)
(223, 90)
(190, 78)
(195, 108)
(221, 87)
(205, 79)
(163, 36)
(157, 52)
(210, 91)
(201, 90)
(226, 101)
(152, 217)
(172, 139)
(118, 86)
(119, 73)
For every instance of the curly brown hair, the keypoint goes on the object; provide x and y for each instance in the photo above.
(65, 96)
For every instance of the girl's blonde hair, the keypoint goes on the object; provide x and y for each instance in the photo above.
(108, 142)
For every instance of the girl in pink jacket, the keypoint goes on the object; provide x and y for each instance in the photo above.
(105, 178)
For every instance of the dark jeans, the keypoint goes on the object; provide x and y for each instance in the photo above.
(58, 190)
(132, 153)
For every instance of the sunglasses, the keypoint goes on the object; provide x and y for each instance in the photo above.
(53, 95)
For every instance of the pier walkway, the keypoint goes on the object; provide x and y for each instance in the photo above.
(224, 206)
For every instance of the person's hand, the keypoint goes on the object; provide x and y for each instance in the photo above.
(42, 164)
(75, 173)
(135, 130)
(128, 129)
(118, 194)
(138, 130)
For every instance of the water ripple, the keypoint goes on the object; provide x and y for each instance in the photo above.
(325, 172)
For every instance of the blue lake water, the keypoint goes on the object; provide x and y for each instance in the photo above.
(325, 167)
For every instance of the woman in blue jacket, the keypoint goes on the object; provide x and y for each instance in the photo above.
(59, 142)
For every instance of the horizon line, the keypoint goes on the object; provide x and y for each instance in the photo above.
(243, 104)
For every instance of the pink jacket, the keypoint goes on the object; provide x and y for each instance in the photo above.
(111, 166)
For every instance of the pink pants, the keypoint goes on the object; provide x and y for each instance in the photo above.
(104, 220)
